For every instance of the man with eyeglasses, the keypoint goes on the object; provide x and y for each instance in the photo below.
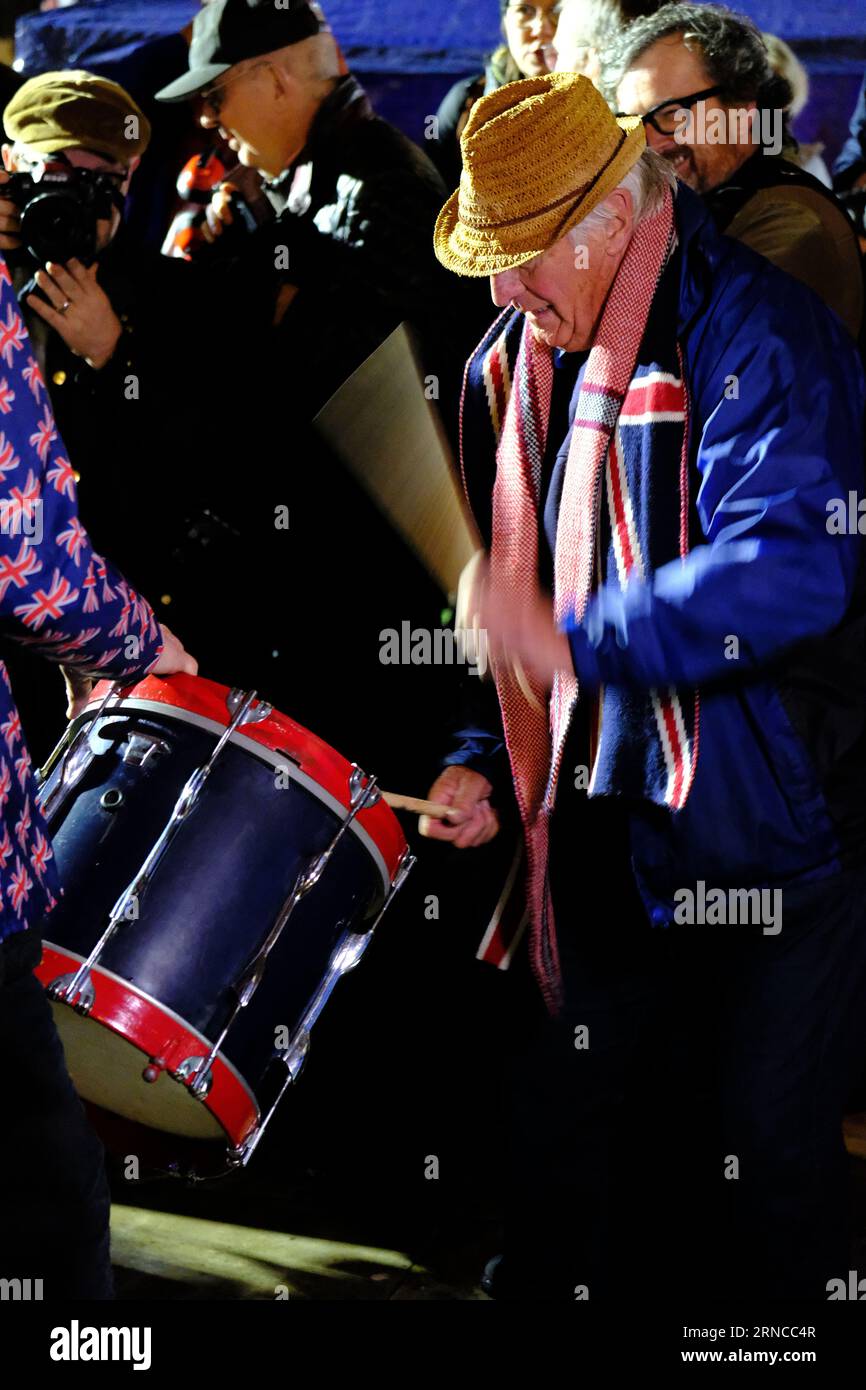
(700, 77)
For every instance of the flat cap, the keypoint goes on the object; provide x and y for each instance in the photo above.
(59, 110)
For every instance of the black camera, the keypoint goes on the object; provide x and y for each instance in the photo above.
(60, 208)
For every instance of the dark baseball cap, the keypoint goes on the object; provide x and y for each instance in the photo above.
(226, 32)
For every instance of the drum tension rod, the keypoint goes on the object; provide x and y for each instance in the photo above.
(363, 792)
(346, 955)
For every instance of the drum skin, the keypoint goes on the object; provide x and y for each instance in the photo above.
(274, 800)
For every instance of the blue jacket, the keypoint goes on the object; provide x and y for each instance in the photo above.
(58, 596)
(776, 448)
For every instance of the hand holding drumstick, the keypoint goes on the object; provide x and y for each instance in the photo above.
(472, 820)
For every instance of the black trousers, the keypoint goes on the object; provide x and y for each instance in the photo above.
(691, 1145)
(54, 1198)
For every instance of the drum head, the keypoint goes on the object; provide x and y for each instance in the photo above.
(107, 1070)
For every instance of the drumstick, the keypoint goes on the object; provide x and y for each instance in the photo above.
(520, 677)
(435, 809)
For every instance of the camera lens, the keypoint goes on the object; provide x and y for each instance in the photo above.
(56, 227)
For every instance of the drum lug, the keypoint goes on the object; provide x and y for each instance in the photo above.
(75, 989)
(363, 792)
(188, 1073)
(141, 749)
(236, 697)
(358, 784)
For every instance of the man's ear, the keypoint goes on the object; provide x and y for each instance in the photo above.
(280, 78)
(8, 158)
(618, 229)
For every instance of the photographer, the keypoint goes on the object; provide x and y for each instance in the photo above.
(115, 330)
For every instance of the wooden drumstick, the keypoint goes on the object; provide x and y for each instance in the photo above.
(520, 677)
(435, 809)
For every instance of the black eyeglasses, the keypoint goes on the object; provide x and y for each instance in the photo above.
(664, 117)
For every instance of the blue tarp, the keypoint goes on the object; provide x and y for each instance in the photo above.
(381, 37)
(404, 36)
(408, 53)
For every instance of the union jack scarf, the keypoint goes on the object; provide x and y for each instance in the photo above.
(629, 446)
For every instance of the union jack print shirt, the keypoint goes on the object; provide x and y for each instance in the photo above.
(57, 595)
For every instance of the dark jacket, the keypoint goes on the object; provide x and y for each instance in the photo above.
(778, 795)
(353, 231)
(790, 217)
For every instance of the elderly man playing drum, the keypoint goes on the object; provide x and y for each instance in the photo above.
(657, 430)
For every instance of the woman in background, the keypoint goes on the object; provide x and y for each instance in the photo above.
(785, 62)
(528, 30)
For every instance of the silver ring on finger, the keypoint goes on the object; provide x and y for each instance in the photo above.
(65, 306)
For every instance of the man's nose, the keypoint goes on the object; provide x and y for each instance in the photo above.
(503, 287)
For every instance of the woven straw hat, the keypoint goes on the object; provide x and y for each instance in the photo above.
(538, 156)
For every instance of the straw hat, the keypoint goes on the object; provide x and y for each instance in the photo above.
(538, 156)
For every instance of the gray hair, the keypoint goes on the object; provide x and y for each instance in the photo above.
(604, 18)
(730, 45)
(646, 181)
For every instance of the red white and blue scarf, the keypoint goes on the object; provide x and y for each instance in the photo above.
(624, 512)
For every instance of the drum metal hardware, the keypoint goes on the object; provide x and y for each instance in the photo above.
(264, 711)
(112, 799)
(135, 890)
(357, 782)
(349, 950)
(75, 753)
(362, 792)
(75, 989)
(188, 1069)
(141, 749)
(153, 1070)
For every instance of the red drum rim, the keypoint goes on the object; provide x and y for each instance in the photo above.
(157, 1032)
(317, 765)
